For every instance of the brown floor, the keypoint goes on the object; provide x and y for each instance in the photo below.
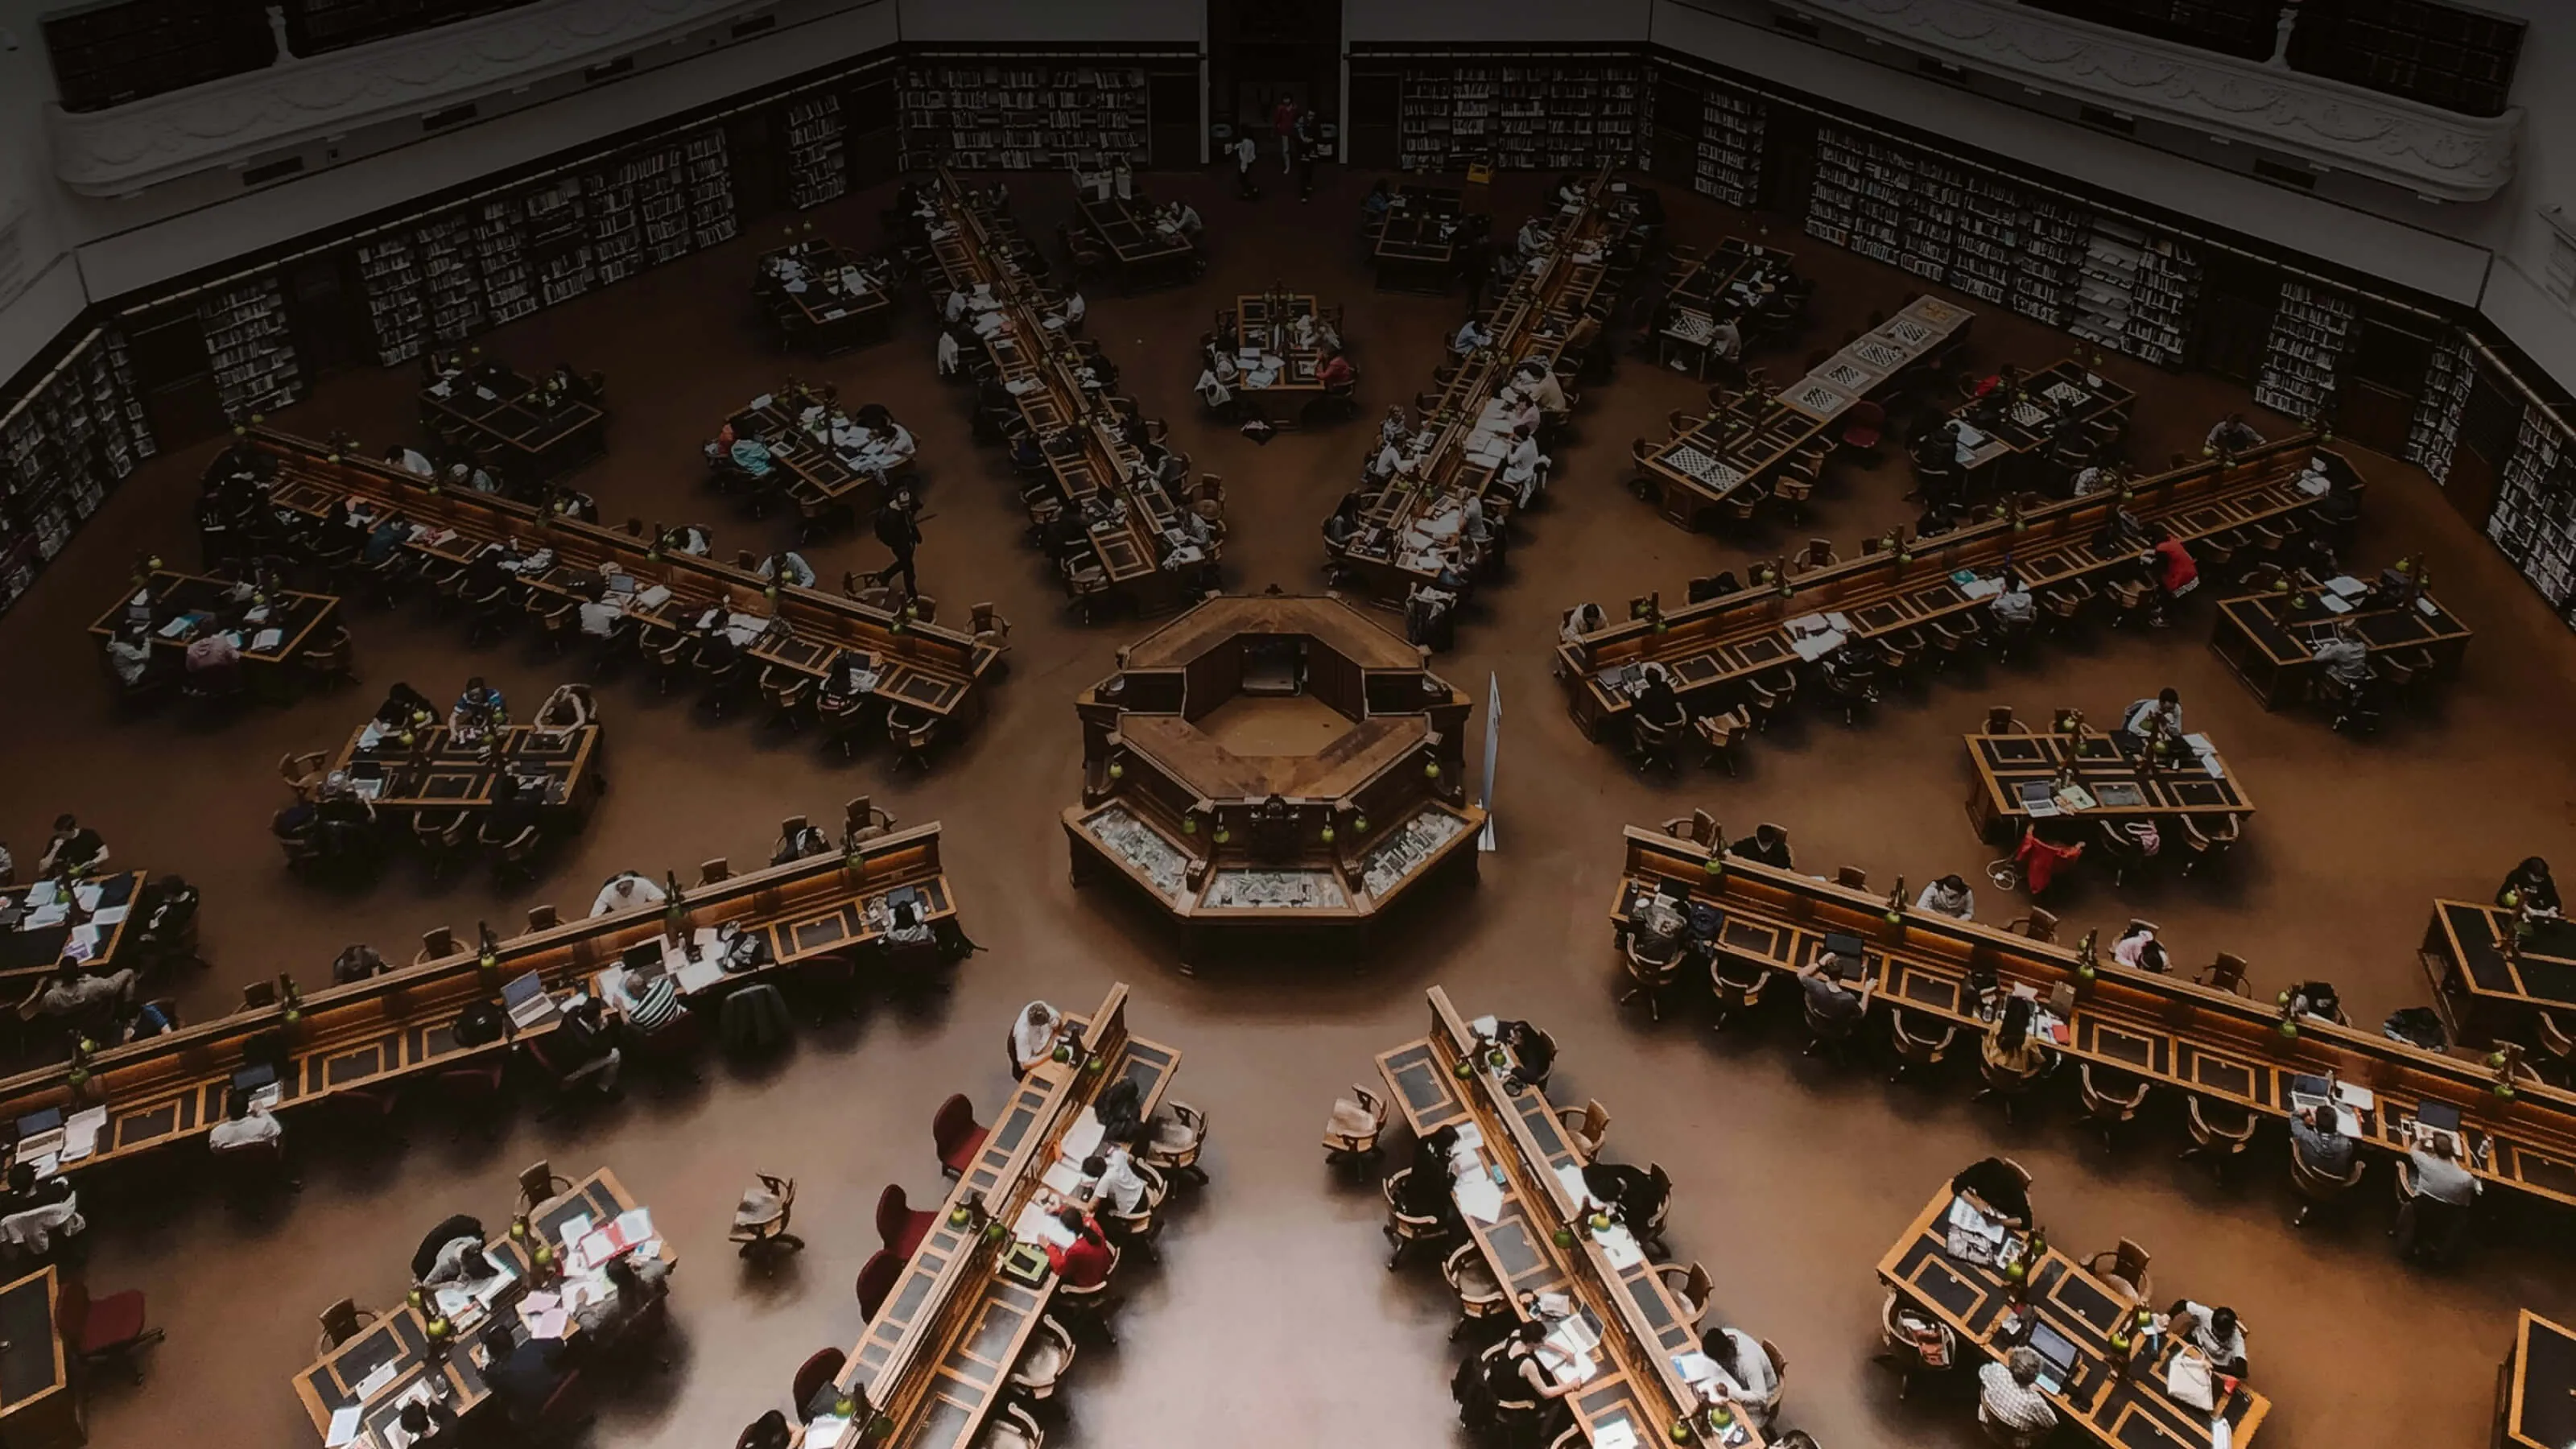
(1273, 1322)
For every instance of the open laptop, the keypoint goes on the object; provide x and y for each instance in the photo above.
(2057, 1353)
(526, 1000)
(644, 960)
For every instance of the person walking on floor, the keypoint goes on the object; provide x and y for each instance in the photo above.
(899, 529)
(1246, 151)
(1283, 123)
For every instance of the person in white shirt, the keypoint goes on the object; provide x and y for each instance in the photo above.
(1744, 1367)
(1580, 620)
(1181, 217)
(790, 565)
(129, 653)
(461, 476)
(1073, 310)
(2013, 604)
(411, 460)
(2214, 1331)
(460, 1260)
(989, 325)
(2146, 713)
(950, 357)
(1246, 151)
(2099, 478)
(1726, 339)
(1119, 1187)
(1533, 238)
(1391, 462)
(1525, 467)
(625, 891)
(243, 1126)
(1538, 382)
(888, 449)
(955, 310)
(1033, 1035)
(1471, 335)
(1948, 896)
(1215, 386)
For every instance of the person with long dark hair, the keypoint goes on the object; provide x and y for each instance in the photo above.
(2013, 1047)
(2530, 888)
(1084, 1262)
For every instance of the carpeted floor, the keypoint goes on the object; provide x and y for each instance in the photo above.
(1272, 1321)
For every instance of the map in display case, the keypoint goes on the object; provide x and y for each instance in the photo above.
(1138, 844)
(1275, 890)
(1406, 848)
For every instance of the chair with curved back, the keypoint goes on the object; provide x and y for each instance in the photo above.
(2220, 1131)
(762, 1240)
(899, 1227)
(1917, 1050)
(2317, 1189)
(876, 1279)
(2035, 923)
(813, 1376)
(1174, 1139)
(2110, 1097)
(2226, 973)
(1042, 1364)
(1586, 1127)
(1480, 1296)
(1352, 1132)
(1405, 1230)
(539, 1184)
(2125, 1269)
(1737, 985)
(1649, 979)
(1691, 1288)
(955, 1134)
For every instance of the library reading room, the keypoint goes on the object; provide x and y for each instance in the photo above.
(1744, 724)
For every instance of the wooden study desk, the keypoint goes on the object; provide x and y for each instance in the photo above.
(937, 1356)
(1142, 250)
(504, 418)
(819, 479)
(2132, 1411)
(1414, 245)
(2008, 437)
(2269, 640)
(1729, 282)
(1124, 517)
(926, 667)
(1692, 473)
(1638, 1391)
(1263, 325)
(821, 301)
(40, 1408)
(2172, 1032)
(2481, 992)
(1716, 648)
(400, 1337)
(1407, 531)
(298, 619)
(437, 771)
(372, 1034)
(29, 951)
(2012, 769)
(2536, 1387)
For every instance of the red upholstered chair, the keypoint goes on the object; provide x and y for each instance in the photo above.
(956, 1134)
(876, 1279)
(105, 1328)
(811, 1376)
(1863, 424)
(898, 1225)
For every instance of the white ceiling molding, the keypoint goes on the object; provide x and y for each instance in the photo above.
(2425, 150)
(230, 122)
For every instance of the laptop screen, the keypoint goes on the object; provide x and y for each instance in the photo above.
(2056, 1348)
(519, 990)
(2440, 1115)
(644, 958)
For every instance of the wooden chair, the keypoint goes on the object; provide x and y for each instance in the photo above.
(2207, 844)
(441, 836)
(539, 1184)
(1737, 987)
(2000, 721)
(1722, 734)
(1698, 827)
(990, 629)
(1404, 1230)
(257, 996)
(759, 1241)
(1917, 1049)
(1175, 1137)
(436, 944)
(1852, 876)
(2110, 1097)
(1649, 979)
(304, 773)
(862, 820)
(712, 871)
(2037, 924)
(912, 732)
(1692, 1289)
(1043, 1363)
(1819, 553)
(541, 918)
(2317, 1189)
(1480, 1295)
(2220, 1131)
(2227, 973)
(1910, 1355)
(1585, 1128)
(812, 1376)
(2126, 1270)
(1358, 1120)
(341, 1322)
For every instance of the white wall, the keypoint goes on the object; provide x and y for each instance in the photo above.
(30, 320)
(1054, 22)
(1505, 22)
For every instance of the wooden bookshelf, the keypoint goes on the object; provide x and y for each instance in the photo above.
(109, 55)
(818, 168)
(2442, 55)
(2311, 331)
(2534, 521)
(76, 432)
(1019, 115)
(1522, 113)
(247, 342)
(2435, 432)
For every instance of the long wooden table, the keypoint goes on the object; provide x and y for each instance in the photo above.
(1414, 244)
(817, 479)
(1696, 471)
(40, 1408)
(2173, 1032)
(2122, 788)
(2269, 640)
(1716, 648)
(372, 1034)
(938, 1354)
(2134, 1410)
(29, 952)
(924, 667)
(297, 618)
(504, 418)
(1403, 531)
(1143, 250)
(828, 309)
(1638, 1391)
(1100, 480)
(2536, 1387)
(1726, 283)
(400, 1336)
(437, 771)
(2014, 434)
(2480, 991)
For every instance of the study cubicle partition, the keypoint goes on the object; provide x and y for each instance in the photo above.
(2165, 1029)
(371, 1035)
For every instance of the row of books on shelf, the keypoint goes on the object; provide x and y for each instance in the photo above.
(77, 432)
(2534, 520)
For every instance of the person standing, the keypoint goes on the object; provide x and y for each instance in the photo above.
(1283, 124)
(1302, 140)
(1246, 151)
(899, 529)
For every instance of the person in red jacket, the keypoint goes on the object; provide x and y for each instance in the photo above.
(2173, 569)
(1085, 1262)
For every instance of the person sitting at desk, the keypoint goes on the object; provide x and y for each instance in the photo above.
(517, 806)
(2013, 605)
(1631, 1192)
(1657, 929)
(1948, 896)
(1510, 1384)
(886, 450)
(1533, 1054)
(2232, 434)
(1182, 218)
(2214, 1331)
(244, 1126)
(129, 653)
(213, 657)
(75, 849)
(2013, 1048)
(428, 1422)
(1470, 336)
(803, 842)
(1580, 620)
(1373, 207)
(357, 963)
(1829, 1001)
(523, 1376)
(344, 821)
(1525, 467)
(1998, 1186)
(2160, 715)
(1070, 312)
(442, 1244)
(2099, 478)
(1770, 847)
(29, 1193)
(72, 990)
(2529, 889)
(1217, 381)
(626, 890)
(1084, 1262)
(480, 704)
(1115, 1181)
(1537, 382)
(751, 455)
(2170, 568)
(1657, 702)
(1336, 371)
(1745, 1368)
(627, 1288)
(405, 708)
(649, 1004)
(2139, 949)
(1726, 339)
(411, 460)
(2319, 1143)
(2318, 999)
(466, 477)
(2009, 1401)
(2005, 379)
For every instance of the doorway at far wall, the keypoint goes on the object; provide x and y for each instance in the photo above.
(1260, 51)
